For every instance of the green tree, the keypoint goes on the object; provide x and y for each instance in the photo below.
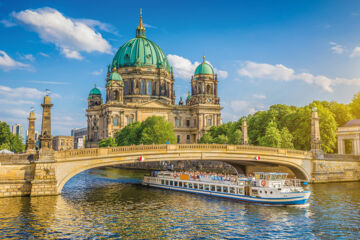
(286, 138)
(221, 139)
(272, 137)
(108, 142)
(206, 138)
(10, 141)
(235, 137)
(355, 105)
(129, 135)
(157, 130)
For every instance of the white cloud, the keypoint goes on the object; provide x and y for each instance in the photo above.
(263, 70)
(71, 54)
(100, 25)
(355, 52)
(336, 48)
(97, 73)
(7, 63)
(50, 82)
(259, 96)
(149, 26)
(221, 74)
(70, 35)
(29, 57)
(7, 23)
(44, 54)
(235, 109)
(279, 72)
(184, 68)
(20, 93)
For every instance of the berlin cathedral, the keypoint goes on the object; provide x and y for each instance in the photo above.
(140, 84)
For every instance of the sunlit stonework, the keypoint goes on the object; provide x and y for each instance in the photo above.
(140, 84)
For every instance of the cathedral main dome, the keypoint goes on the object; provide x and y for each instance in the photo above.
(140, 52)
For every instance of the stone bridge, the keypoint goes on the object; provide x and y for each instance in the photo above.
(46, 173)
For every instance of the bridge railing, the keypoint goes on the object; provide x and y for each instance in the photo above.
(22, 158)
(175, 147)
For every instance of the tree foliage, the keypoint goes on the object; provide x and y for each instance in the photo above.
(108, 142)
(10, 141)
(229, 133)
(355, 105)
(154, 130)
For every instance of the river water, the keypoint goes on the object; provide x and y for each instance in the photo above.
(109, 203)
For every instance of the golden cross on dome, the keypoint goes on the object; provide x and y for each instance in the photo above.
(203, 58)
(95, 85)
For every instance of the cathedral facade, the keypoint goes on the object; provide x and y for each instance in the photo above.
(140, 84)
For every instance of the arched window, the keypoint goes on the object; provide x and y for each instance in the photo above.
(116, 122)
(143, 86)
(208, 90)
(126, 84)
(131, 87)
(177, 122)
(209, 122)
(130, 119)
(148, 87)
(116, 95)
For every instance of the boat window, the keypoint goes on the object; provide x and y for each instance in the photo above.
(241, 191)
(201, 187)
(265, 192)
(232, 190)
(241, 183)
(260, 191)
(195, 185)
(225, 189)
(212, 188)
(176, 183)
(218, 188)
(186, 184)
(271, 192)
(190, 185)
(171, 183)
(207, 187)
(167, 182)
(162, 181)
(267, 177)
(180, 184)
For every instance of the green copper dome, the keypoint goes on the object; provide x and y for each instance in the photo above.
(140, 52)
(204, 68)
(95, 91)
(115, 77)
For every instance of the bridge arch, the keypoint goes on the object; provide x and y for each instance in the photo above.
(73, 162)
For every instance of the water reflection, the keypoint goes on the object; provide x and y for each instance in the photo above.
(100, 204)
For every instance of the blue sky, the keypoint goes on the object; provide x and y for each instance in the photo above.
(265, 52)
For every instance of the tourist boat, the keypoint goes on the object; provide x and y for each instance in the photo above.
(269, 188)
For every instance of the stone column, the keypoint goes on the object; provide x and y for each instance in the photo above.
(341, 146)
(30, 142)
(356, 146)
(45, 137)
(315, 131)
(244, 134)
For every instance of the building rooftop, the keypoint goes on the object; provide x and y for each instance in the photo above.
(353, 123)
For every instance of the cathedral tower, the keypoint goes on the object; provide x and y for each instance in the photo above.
(204, 85)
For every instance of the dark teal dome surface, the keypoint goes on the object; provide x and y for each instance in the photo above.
(140, 52)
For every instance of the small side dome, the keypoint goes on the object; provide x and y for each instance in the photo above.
(204, 68)
(95, 91)
(115, 77)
